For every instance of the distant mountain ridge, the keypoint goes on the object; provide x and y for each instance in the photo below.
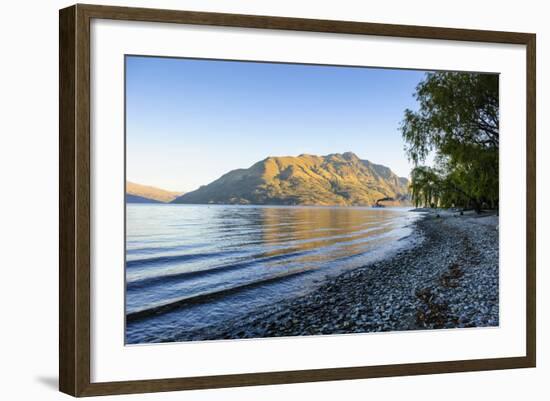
(137, 193)
(334, 179)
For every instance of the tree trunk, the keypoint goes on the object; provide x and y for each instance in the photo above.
(477, 206)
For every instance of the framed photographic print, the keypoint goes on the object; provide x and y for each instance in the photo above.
(250, 200)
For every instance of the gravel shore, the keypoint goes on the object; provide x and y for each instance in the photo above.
(449, 280)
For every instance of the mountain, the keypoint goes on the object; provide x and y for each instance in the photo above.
(335, 179)
(139, 199)
(137, 193)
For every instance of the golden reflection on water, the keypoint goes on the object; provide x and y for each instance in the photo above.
(340, 231)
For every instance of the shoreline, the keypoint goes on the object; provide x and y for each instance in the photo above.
(448, 280)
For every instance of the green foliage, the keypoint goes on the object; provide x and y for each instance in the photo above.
(458, 119)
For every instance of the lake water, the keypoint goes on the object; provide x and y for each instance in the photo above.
(191, 266)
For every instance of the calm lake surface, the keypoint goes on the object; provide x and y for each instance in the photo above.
(191, 266)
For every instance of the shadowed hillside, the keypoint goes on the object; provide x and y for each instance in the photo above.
(335, 179)
(137, 193)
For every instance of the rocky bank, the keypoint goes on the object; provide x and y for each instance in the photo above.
(449, 280)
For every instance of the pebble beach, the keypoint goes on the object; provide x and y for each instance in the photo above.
(448, 279)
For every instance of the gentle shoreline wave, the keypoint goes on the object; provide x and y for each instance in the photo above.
(190, 281)
(450, 279)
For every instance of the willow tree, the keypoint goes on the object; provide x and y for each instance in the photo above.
(458, 120)
(426, 188)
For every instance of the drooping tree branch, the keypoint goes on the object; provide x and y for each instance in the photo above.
(457, 118)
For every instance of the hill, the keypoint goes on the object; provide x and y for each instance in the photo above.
(137, 193)
(139, 199)
(335, 179)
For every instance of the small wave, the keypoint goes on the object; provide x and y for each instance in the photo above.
(277, 254)
(207, 297)
(160, 260)
(145, 249)
(148, 281)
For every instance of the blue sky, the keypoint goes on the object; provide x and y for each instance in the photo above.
(191, 121)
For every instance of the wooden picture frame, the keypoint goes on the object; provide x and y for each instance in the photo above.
(74, 199)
